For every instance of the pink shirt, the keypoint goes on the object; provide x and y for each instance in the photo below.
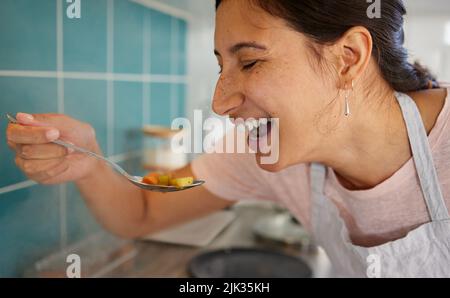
(383, 213)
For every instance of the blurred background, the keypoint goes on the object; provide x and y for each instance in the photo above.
(123, 65)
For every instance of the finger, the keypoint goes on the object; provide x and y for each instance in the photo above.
(31, 135)
(24, 118)
(36, 166)
(39, 119)
(43, 151)
(52, 175)
(55, 175)
(13, 146)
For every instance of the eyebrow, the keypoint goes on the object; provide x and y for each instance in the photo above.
(239, 46)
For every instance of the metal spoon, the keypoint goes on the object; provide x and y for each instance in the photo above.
(136, 180)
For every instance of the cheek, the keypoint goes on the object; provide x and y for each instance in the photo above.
(271, 88)
(284, 90)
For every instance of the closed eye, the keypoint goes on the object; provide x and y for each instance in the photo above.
(249, 65)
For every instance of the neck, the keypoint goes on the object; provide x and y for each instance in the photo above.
(370, 144)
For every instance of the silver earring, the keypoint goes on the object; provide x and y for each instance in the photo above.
(347, 105)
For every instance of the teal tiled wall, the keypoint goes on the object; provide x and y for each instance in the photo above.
(50, 63)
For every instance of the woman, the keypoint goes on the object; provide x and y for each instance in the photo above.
(364, 138)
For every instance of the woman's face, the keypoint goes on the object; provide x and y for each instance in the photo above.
(268, 71)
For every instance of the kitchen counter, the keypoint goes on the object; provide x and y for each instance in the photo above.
(155, 259)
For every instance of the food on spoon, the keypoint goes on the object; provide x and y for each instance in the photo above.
(164, 180)
(151, 178)
(167, 180)
(182, 182)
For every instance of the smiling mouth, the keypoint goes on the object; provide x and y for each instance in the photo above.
(258, 128)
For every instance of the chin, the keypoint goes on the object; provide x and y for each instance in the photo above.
(275, 167)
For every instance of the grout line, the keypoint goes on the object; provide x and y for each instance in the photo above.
(59, 50)
(60, 55)
(115, 263)
(146, 35)
(125, 77)
(173, 102)
(146, 59)
(173, 66)
(62, 189)
(110, 83)
(63, 215)
(28, 183)
(17, 186)
(145, 104)
(166, 8)
(173, 45)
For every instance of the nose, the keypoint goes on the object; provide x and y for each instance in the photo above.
(227, 97)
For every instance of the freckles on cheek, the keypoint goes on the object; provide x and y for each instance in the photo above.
(257, 88)
(271, 84)
(221, 87)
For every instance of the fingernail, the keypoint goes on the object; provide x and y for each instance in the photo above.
(25, 116)
(52, 134)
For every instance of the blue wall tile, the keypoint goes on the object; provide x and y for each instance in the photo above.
(80, 221)
(29, 218)
(28, 34)
(160, 43)
(127, 117)
(85, 100)
(181, 52)
(181, 100)
(85, 38)
(128, 38)
(134, 165)
(29, 228)
(160, 104)
(30, 95)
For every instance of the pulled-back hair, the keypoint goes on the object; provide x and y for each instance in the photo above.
(325, 21)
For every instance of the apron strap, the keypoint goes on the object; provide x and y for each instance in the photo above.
(317, 184)
(318, 174)
(423, 159)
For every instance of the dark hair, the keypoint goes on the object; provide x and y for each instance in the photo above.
(325, 21)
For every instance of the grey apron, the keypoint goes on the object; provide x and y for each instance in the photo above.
(424, 252)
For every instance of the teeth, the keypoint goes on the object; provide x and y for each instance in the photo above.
(253, 135)
(253, 123)
(249, 125)
(263, 121)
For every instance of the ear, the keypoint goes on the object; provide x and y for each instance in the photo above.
(354, 51)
